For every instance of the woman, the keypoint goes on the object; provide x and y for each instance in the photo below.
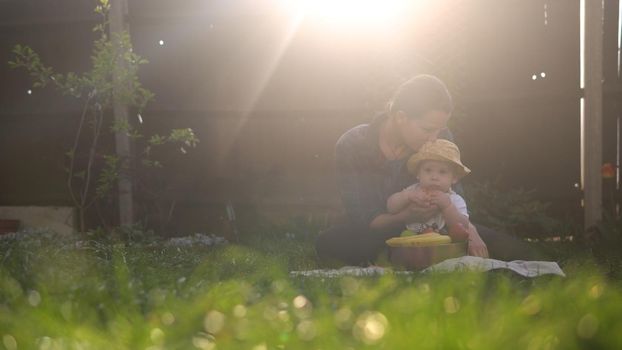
(371, 165)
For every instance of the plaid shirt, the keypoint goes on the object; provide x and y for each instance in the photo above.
(365, 178)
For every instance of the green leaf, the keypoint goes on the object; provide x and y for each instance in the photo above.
(121, 125)
(157, 140)
(185, 136)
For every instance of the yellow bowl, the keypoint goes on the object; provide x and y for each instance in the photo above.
(418, 258)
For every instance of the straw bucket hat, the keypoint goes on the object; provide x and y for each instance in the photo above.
(441, 150)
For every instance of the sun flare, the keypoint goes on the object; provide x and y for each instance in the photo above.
(350, 13)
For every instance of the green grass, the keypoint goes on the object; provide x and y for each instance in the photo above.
(142, 294)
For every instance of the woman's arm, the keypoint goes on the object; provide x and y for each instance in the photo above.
(476, 246)
(388, 221)
(397, 201)
(357, 185)
(411, 213)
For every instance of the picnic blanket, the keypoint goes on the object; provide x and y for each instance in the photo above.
(521, 267)
(465, 263)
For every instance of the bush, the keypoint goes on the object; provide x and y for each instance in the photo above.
(513, 211)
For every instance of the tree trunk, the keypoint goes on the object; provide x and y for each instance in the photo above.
(118, 24)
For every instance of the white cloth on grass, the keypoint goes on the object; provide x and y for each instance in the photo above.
(355, 271)
(521, 267)
(465, 263)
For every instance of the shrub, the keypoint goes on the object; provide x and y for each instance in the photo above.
(513, 211)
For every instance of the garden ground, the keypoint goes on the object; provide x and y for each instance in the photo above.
(133, 290)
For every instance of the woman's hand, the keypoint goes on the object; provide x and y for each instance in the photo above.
(476, 246)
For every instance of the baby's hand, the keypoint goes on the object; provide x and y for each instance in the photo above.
(419, 213)
(440, 199)
(419, 197)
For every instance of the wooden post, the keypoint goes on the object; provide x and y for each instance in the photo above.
(611, 103)
(591, 130)
(118, 24)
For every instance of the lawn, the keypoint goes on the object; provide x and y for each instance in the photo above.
(136, 291)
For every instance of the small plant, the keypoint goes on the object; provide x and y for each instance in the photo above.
(113, 76)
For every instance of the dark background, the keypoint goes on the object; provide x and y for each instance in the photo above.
(273, 149)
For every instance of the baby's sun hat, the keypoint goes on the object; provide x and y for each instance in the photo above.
(441, 150)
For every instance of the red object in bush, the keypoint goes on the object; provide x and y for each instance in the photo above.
(608, 171)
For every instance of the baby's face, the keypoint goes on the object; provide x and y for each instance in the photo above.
(434, 174)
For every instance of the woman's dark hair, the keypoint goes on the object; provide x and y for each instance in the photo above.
(419, 95)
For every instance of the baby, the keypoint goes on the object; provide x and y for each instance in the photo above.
(437, 166)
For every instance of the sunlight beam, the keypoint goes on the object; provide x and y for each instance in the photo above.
(266, 74)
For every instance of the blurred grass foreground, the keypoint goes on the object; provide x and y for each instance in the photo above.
(139, 292)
